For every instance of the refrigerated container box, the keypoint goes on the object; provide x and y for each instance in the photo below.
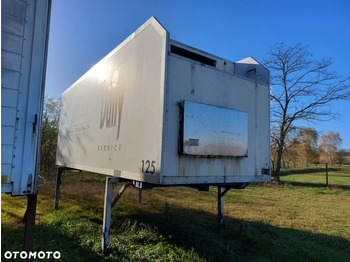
(158, 111)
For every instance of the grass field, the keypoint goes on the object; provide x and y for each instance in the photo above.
(264, 222)
(337, 176)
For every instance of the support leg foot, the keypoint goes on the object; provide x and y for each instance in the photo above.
(107, 212)
(29, 219)
(60, 170)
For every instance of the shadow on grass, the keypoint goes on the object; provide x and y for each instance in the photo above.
(241, 240)
(189, 229)
(311, 170)
(48, 238)
(317, 185)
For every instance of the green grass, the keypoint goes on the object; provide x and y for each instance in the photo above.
(264, 222)
(337, 176)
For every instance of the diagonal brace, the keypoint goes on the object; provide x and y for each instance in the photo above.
(224, 192)
(121, 191)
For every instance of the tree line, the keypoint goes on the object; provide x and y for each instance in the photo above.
(304, 147)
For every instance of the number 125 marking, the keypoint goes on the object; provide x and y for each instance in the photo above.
(148, 167)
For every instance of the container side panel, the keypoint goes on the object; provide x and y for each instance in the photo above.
(24, 35)
(15, 8)
(11, 43)
(9, 79)
(263, 131)
(11, 61)
(6, 154)
(9, 97)
(111, 117)
(194, 82)
(8, 116)
(5, 171)
(12, 24)
(7, 135)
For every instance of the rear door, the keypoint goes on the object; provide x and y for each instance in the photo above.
(24, 36)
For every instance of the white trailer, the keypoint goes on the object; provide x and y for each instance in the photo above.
(24, 39)
(158, 113)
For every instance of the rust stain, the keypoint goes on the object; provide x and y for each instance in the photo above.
(183, 171)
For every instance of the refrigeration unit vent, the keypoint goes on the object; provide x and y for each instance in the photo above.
(191, 55)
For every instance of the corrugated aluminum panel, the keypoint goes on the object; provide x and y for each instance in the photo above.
(24, 37)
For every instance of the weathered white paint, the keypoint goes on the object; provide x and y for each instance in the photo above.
(143, 84)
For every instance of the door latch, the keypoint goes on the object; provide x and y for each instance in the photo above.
(35, 122)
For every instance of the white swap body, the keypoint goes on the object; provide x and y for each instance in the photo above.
(157, 111)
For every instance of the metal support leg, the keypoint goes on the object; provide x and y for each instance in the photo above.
(29, 219)
(221, 193)
(108, 205)
(60, 170)
(141, 186)
(140, 197)
(107, 211)
(220, 207)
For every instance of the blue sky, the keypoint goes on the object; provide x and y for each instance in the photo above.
(83, 31)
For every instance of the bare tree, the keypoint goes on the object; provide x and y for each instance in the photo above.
(301, 89)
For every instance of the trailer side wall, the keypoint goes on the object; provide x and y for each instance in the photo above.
(111, 119)
(192, 81)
